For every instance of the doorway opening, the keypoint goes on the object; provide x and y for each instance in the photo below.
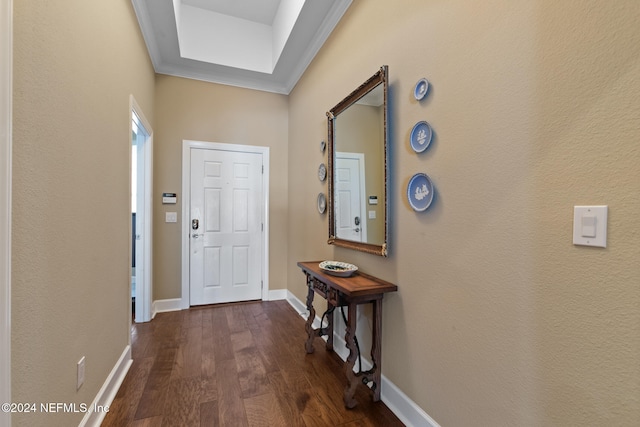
(141, 179)
(223, 205)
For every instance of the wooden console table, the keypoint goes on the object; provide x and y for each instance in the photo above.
(360, 288)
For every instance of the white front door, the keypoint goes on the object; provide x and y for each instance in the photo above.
(349, 193)
(225, 226)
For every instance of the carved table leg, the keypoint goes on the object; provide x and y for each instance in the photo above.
(312, 315)
(329, 329)
(376, 353)
(352, 379)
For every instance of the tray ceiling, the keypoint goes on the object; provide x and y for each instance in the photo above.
(257, 44)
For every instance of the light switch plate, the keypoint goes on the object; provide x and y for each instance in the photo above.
(171, 217)
(590, 226)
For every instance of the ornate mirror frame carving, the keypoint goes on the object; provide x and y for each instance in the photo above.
(379, 78)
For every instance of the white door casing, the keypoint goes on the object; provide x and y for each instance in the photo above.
(350, 197)
(226, 223)
(209, 243)
(144, 144)
(6, 46)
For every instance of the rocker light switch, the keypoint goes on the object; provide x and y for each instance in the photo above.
(171, 217)
(590, 226)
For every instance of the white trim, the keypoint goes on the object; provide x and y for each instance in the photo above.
(324, 31)
(399, 403)
(283, 83)
(99, 407)
(164, 305)
(406, 409)
(187, 145)
(144, 291)
(299, 306)
(277, 294)
(6, 88)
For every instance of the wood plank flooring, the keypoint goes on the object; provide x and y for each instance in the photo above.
(236, 365)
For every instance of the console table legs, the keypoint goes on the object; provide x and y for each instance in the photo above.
(376, 353)
(312, 315)
(373, 375)
(370, 378)
(352, 378)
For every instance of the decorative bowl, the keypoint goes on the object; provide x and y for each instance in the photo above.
(337, 268)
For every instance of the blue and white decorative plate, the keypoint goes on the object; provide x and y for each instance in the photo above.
(420, 192)
(421, 136)
(421, 89)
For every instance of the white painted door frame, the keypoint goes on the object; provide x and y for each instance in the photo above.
(144, 293)
(187, 145)
(6, 87)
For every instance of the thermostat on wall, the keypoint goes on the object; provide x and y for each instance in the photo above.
(169, 198)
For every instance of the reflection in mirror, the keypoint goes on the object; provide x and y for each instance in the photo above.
(358, 209)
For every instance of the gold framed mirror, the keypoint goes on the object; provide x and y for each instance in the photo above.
(358, 168)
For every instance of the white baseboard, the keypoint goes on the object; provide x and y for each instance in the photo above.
(277, 294)
(399, 403)
(107, 393)
(298, 306)
(163, 305)
(406, 409)
(175, 304)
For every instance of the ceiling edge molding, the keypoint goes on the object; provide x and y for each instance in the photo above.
(177, 71)
(324, 31)
(146, 28)
(166, 61)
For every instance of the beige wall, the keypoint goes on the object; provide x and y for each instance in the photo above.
(75, 65)
(195, 110)
(499, 319)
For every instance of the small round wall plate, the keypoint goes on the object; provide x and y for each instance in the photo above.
(421, 89)
(323, 145)
(420, 192)
(322, 172)
(322, 203)
(421, 136)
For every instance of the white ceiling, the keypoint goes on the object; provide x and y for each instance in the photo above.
(261, 11)
(257, 44)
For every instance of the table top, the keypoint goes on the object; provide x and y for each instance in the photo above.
(358, 284)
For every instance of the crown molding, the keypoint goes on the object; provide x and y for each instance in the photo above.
(159, 30)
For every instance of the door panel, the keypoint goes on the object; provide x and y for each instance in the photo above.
(225, 248)
(348, 197)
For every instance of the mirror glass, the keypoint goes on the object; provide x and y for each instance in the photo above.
(358, 209)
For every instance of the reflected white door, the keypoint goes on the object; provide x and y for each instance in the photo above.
(349, 196)
(225, 226)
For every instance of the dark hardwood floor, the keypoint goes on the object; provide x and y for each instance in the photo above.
(236, 365)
